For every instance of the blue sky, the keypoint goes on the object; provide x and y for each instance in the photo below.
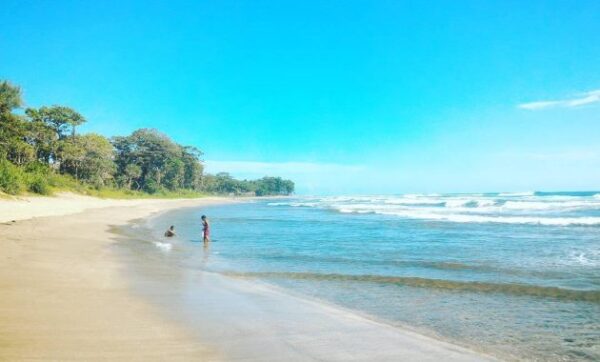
(341, 96)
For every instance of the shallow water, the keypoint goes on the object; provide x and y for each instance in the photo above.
(514, 275)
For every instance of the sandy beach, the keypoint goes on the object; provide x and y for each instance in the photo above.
(63, 296)
(67, 296)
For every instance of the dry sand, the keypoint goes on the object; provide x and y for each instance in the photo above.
(27, 207)
(66, 295)
(63, 296)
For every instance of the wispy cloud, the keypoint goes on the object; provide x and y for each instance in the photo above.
(581, 99)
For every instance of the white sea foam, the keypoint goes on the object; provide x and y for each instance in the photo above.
(464, 218)
(514, 208)
(469, 218)
(412, 201)
(163, 246)
(470, 203)
(536, 205)
(513, 194)
(294, 204)
(585, 258)
(456, 203)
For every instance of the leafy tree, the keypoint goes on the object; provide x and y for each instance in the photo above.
(174, 174)
(71, 155)
(163, 162)
(274, 186)
(149, 150)
(192, 167)
(63, 120)
(13, 129)
(19, 151)
(88, 158)
(224, 183)
(130, 175)
(43, 139)
(35, 147)
(10, 97)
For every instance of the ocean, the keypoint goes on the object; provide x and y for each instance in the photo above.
(513, 275)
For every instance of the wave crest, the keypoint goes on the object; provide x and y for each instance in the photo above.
(558, 209)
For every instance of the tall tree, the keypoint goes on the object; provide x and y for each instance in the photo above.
(63, 120)
(145, 160)
(88, 158)
(162, 161)
(131, 174)
(10, 97)
(193, 169)
(13, 128)
(174, 174)
(43, 138)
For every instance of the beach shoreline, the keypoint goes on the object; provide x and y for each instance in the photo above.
(64, 295)
(67, 295)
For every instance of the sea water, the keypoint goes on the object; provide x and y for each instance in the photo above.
(515, 275)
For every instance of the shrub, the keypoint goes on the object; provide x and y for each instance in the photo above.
(11, 178)
(36, 176)
(38, 184)
(37, 167)
(151, 186)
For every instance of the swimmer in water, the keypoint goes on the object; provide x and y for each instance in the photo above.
(170, 231)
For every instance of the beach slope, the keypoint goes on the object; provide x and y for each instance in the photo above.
(63, 294)
(67, 295)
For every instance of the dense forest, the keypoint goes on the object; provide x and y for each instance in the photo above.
(41, 151)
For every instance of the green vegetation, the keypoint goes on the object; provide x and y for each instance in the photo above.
(224, 183)
(40, 151)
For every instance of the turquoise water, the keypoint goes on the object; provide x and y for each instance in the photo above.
(513, 275)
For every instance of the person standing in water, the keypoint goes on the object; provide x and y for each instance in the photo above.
(205, 229)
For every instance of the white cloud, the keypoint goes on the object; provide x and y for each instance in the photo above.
(582, 99)
(539, 105)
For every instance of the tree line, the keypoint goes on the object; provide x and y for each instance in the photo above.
(40, 148)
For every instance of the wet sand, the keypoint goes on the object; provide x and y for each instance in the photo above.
(64, 296)
(68, 294)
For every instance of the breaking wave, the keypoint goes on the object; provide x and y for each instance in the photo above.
(511, 194)
(536, 208)
(464, 218)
